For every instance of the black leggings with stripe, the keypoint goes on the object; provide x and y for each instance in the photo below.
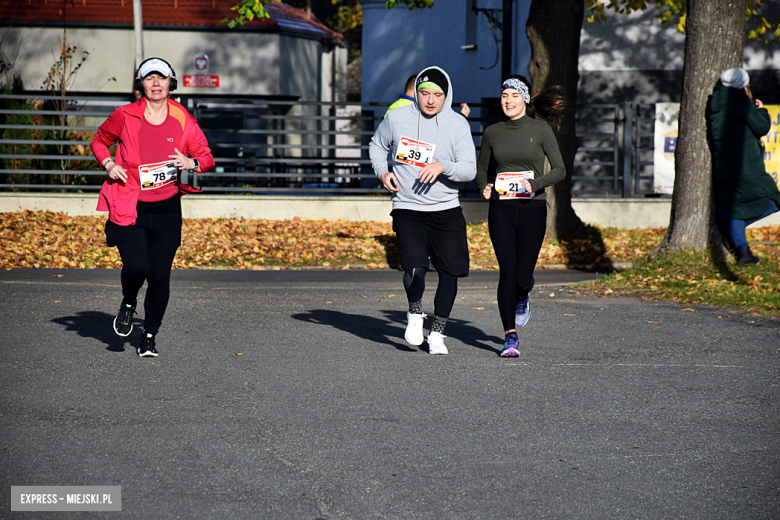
(414, 283)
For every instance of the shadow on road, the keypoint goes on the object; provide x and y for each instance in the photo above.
(473, 336)
(391, 330)
(97, 325)
(366, 327)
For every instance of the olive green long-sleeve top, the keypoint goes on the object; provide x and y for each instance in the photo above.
(521, 145)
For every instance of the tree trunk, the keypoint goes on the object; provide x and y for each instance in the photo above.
(714, 41)
(555, 49)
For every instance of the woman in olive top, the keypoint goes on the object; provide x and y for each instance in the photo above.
(518, 208)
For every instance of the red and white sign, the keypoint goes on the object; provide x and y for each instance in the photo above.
(201, 80)
(202, 62)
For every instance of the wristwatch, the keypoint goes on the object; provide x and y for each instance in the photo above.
(195, 164)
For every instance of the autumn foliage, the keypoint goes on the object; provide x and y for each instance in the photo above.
(41, 239)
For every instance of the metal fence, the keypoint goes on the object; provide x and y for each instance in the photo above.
(283, 146)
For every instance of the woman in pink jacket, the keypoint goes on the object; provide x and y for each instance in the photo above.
(156, 138)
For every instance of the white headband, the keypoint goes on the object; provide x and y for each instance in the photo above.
(518, 86)
(154, 65)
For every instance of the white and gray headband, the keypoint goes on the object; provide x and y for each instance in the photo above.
(518, 86)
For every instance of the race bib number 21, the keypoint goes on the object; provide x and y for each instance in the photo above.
(508, 185)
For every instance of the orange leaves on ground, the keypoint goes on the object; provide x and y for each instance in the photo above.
(55, 240)
(764, 234)
(246, 244)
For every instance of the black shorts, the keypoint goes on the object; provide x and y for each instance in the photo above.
(438, 235)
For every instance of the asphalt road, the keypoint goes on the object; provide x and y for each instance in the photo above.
(292, 395)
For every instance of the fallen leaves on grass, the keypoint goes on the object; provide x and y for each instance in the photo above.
(55, 240)
(44, 239)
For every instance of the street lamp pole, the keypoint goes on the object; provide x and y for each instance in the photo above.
(506, 38)
(138, 31)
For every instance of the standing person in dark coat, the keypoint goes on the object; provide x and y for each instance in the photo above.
(744, 192)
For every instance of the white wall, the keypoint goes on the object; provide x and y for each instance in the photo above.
(247, 63)
(299, 68)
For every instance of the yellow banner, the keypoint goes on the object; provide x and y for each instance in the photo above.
(772, 144)
(666, 139)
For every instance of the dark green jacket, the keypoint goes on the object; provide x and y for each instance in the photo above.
(743, 189)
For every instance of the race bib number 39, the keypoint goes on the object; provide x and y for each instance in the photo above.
(508, 185)
(157, 175)
(415, 153)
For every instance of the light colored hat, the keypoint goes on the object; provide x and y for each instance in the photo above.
(735, 78)
(154, 65)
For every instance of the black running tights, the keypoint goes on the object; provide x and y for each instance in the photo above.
(517, 232)
(414, 283)
(147, 250)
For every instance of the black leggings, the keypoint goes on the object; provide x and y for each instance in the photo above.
(147, 250)
(414, 283)
(517, 232)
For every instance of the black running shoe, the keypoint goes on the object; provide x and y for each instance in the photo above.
(146, 345)
(123, 323)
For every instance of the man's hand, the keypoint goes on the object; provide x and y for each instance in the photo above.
(430, 172)
(465, 111)
(486, 191)
(389, 182)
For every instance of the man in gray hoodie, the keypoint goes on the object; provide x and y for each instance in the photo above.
(433, 152)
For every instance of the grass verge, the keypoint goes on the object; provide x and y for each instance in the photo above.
(690, 277)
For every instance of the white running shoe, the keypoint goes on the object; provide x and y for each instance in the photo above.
(436, 343)
(414, 329)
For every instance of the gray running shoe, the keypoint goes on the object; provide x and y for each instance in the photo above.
(522, 313)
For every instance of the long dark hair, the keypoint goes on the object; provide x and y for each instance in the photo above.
(547, 104)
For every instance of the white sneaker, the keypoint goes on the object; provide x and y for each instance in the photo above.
(436, 343)
(414, 329)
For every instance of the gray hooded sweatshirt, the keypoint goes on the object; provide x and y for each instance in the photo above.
(449, 132)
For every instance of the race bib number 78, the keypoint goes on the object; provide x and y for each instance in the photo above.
(157, 175)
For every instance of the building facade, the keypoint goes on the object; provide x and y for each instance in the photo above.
(289, 54)
(627, 58)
